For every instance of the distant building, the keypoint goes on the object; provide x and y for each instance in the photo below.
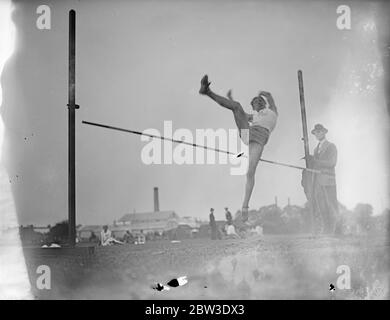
(205, 230)
(42, 229)
(84, 233)
(188, 228)
(29, 236)
(192, 222)
(150, 222)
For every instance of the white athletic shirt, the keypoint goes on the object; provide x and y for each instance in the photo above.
(104, 236)
(265, 118)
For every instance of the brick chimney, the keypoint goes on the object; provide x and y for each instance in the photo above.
(156, 202)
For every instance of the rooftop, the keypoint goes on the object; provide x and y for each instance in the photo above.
(149, 216)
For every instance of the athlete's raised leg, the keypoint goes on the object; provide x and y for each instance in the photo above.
(255, 152)
(240, 116)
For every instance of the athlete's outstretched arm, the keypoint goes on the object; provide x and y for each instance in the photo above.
(229, 94)
(270, 100)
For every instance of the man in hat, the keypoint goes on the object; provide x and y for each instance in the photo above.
(324, 193)
(213, 225)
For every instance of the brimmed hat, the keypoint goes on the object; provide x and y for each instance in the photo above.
(319, 127)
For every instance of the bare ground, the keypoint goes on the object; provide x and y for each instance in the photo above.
(270, 267)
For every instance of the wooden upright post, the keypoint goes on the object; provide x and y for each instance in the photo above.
(72, 129)
(305, 137)
(307, 176)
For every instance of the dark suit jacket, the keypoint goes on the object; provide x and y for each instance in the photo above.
(325, 160)
(212, 220)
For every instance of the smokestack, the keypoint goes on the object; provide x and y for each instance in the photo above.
(156, 202)
(276, 201)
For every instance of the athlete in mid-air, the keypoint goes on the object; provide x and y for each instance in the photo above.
(254, 129)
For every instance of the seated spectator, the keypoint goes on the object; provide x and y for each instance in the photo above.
(128, 237)
(231, 231)
(259, 230)
(141, 239)
(93, 237)
(106, 237)
(229, 217)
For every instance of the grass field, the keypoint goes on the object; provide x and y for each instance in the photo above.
(271, 267)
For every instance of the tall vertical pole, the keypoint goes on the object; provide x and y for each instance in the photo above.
(303, 115)
(307, 176)
(72, 129)
(156, 200)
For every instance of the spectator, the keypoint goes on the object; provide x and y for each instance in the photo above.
(324, 184)
(231, 232)
(229, 217)
(213, 225)
(93, 237)
(106, 237)
(128, 237)
(141, 239)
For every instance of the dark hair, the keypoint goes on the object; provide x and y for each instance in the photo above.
(262, 100)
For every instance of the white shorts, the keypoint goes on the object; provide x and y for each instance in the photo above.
(255, 134)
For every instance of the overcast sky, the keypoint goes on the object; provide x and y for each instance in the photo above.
(140, 62)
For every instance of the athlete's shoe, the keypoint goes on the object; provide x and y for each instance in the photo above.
(204, 85)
